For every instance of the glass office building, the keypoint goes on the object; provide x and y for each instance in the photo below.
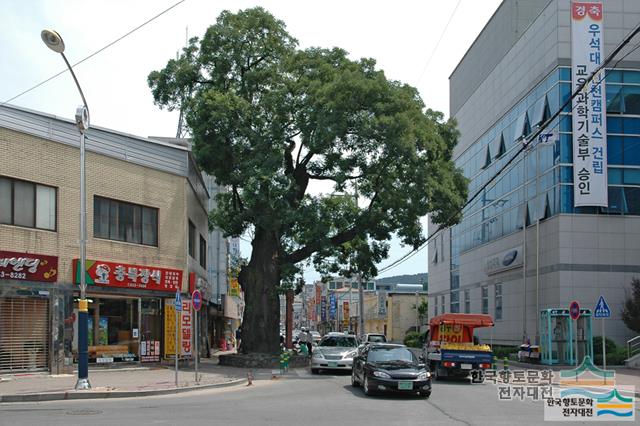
(515, 76)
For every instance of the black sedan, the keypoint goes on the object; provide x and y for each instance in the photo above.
(390, 368)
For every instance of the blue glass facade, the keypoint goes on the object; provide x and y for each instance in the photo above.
(539, 184)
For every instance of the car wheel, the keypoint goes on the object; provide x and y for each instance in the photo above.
(425, 394)
(314, 371)
(365, 386)
(354, 381)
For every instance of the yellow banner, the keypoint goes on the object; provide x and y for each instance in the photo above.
(169, 327)
(234, 287)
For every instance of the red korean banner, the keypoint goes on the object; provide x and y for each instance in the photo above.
(28, 267)
(122, 275)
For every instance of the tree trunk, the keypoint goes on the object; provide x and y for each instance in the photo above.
(259, 280)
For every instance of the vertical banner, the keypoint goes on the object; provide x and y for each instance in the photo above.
(345, 311)
(323, 309)
(589, 106)
(186, 322)
(169, 327)
(382, 304)
(333, 304)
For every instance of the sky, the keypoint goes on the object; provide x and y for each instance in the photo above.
(401, 35)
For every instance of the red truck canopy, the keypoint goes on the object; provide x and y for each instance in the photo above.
(457, 327)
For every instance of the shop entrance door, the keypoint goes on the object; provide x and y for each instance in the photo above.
(24, 332)
(150, 329)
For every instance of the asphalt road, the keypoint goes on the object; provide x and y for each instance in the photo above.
(299, 399)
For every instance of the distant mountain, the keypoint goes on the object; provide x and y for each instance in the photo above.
(422, 278)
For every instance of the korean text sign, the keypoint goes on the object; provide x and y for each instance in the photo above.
(113, 274)
(589, 106)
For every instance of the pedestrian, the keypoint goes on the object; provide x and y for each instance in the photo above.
(308, 339)
(239, 337)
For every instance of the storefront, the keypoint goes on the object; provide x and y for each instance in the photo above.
(126, 311)
(25, 310)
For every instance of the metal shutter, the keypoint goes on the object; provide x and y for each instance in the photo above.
(24, 334)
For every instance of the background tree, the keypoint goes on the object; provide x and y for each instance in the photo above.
(269, 120)
(631, 307)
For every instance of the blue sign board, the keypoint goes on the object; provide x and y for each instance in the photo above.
(332, 306)
(602, 309)
(323, 308)
(178, 302)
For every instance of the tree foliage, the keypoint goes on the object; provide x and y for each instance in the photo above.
(631, 307)
(267, 119)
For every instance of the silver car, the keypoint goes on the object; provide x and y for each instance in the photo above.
(334, 352)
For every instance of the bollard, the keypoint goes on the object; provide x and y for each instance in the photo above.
(249, 378)
(505, 363)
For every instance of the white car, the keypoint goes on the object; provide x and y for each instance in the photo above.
(334, 352)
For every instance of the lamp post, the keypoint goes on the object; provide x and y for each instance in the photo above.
(54, 42)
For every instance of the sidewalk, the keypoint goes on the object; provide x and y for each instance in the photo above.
(129, 382)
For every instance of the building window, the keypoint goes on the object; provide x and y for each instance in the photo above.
(485, 300)
(203, 252)
(192, 240)
(455, 302)
(122, 221)
(467, 301)
(27, 204)
(442, 304)
(498, 313)
(435, 307)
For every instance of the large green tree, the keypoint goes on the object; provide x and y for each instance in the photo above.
(268, 119)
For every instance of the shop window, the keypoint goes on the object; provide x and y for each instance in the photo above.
(614, 98)
(615, 150)
(498, 299)
(631, 100)
(27, 204)
(455, 302)
(487, 158)
(485, 300)
(203, 252)
(122, 221)
(632, 198)
(192, 240)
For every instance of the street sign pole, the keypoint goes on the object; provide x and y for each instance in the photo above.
(178, 309)
(604, 353)
(196, 302)
(574, 313)
(177, 343)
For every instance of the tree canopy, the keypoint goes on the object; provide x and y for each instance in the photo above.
(268, 118)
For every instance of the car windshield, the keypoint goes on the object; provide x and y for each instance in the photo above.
(391, 354)
(377, 338)
(341, 341)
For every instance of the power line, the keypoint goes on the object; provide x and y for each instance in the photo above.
(94, 53)
(530, 138)
(435, 48)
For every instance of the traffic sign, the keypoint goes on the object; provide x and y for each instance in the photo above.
(196, 298)
(574, 310)
(178, 302)
(602, 309)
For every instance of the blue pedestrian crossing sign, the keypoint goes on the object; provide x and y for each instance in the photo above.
(178, 302)
(602, 309)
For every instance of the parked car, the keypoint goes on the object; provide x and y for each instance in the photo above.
(335, 351)
(390, 368)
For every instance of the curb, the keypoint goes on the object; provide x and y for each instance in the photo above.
(69, 395)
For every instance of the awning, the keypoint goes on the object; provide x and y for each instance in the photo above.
(471, 320)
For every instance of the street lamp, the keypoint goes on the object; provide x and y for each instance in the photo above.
(54, 42)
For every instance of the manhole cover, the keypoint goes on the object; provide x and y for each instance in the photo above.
(83, 412)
